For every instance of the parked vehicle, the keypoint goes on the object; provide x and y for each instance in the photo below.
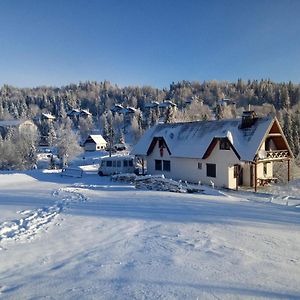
(117, 164)
(120, 147)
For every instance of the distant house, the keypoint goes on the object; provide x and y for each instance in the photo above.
(85, 113)
(22, 126)
(72, 113)
(117, 108)
(226, 102)
(225, 153)
(94, 142)
(75, 114)
(151, 105)
(47, 117)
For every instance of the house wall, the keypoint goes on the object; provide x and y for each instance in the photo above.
(187, 168)
(90, 146)
(260, 170)
(225, 161)
(27, 126)
(247, 174)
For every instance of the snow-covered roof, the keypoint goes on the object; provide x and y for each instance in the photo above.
(14, 122)
(117, 108)
(97, 138)
(48, 116)
(85, 112)
(10, 123)
(152, 104)
(167, 103)
(192, 139)
(127, 110)
(73, 112)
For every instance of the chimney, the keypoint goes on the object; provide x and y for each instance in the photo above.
(248, 119)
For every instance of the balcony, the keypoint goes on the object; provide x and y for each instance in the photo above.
(272, 155)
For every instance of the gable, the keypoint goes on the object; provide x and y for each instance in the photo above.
(96, 139)
(214, 143)
(161, 143)
(192, 139)
(275, 138)
(89, 140)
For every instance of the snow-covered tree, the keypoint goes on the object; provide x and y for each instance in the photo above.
(67, 142)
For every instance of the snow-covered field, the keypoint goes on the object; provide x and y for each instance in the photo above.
(90, 238)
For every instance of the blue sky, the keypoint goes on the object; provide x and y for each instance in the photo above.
(147, 42)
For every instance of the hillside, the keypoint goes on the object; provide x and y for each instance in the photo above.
(90, 238)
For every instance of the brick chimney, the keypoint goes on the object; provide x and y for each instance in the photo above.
(249, 117)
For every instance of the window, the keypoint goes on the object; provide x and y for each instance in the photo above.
(130, 163)
(224, 144)
(161, 143)
(114, 163)
(265, 169)
(125, 163)
(109, 163)
(236, 171)
(199, 165)
(210, 170)
(166, 165)
(158, 165)
(118, 163)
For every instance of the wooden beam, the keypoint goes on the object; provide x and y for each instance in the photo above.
(143, 166)
(289, 170)
(237, 176)
(255, 177)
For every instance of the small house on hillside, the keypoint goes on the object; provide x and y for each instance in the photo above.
(229, 153)
(22, 126)
(94, 142)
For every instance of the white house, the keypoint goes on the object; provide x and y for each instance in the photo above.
(95, 142)
(22, 126)
(229, 153)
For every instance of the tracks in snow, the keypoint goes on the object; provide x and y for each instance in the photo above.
(32, 221)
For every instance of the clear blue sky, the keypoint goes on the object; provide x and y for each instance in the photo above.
(148, 42)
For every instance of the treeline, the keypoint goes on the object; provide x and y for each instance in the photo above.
(194, 101)
(100, 97)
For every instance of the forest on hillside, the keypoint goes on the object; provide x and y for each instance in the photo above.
(193, 101)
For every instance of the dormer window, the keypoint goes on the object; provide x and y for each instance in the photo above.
(224, 144)
(161, 143)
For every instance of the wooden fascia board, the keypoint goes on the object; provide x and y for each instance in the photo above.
(213, 144)
(153, 143)
(210, 148)
(267, 133)
(284, 138)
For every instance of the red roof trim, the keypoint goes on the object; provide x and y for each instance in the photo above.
(212, 145)
(153, 143)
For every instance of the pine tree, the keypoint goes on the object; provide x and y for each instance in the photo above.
(285, 99)
(287, 129)
(295, 134)
(169, 116)
(218, 112)
(67, 142)
(51, 138)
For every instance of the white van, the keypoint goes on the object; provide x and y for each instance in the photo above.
(117, 164)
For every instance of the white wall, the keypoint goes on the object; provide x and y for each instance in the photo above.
(187, 168)
(94, 147)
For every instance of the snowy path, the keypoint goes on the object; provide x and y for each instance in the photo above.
(132, 244)
(32, 221)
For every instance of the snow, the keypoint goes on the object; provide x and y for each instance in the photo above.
(179, 137)
(91, 238)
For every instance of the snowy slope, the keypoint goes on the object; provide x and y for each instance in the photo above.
(91, 238)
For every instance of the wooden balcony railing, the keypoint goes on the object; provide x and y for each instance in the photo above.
(273, 155)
